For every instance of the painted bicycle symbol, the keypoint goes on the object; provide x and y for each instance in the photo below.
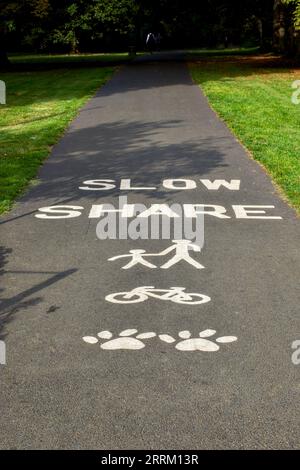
(174, 294)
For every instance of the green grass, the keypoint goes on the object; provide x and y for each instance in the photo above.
(53, 59)
(221, 52)
(254, 99)
(39, 107)
(68, 58)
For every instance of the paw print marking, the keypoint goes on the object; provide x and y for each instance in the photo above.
(123, 341)
(198, 344)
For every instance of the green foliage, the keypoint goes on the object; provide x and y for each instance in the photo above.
(42, 24)
(295, 4)
(93, 17)
(81, 25)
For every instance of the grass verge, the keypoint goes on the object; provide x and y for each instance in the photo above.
(39, 107)
(253, 96)
(68, 58)
(193, 54)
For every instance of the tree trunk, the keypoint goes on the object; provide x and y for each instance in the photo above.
(279, 26)
(260, 31)
(4, 61)
(3, 58)
(297, 44)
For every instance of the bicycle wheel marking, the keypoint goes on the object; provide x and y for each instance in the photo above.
(174, 294)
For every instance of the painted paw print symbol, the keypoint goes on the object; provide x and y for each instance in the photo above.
(124, 341)
(127, 340)
(188, 343)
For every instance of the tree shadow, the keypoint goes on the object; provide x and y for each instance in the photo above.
(29, 121)
(101, 145)
(162, 69)
(226, 68)
(138, 150)
(111, 145)
(9, 306)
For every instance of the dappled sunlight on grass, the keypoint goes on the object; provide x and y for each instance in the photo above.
(39, 107)
(67, 58)
(255, 102)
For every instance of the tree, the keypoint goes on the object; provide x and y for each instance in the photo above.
(296, 12)
(25, 15)
(294, 32)
(286, 26)
(7, 10)
(72, 25)
(79, 18)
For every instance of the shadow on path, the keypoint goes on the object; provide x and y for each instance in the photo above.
(11, 305)
(137, 150)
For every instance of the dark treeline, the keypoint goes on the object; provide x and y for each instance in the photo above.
(102, 25)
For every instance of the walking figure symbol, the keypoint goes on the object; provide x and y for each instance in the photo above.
(180, 247)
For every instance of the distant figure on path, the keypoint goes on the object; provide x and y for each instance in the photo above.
(150, 42)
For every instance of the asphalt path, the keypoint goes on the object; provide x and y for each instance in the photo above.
(150, 123)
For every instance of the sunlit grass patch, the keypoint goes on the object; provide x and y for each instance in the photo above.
(39, 107)
(255, 102)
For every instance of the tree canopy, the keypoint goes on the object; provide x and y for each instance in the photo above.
(80, 25)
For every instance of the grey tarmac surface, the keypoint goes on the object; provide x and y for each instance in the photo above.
(149, 123)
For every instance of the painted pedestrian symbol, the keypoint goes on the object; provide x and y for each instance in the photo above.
(174, 294)
(129, 339)
(180, 247)
(137, 257)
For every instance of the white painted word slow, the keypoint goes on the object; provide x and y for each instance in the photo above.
(173, 184)
(174, 294)
(125, 340)
(181, 248)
